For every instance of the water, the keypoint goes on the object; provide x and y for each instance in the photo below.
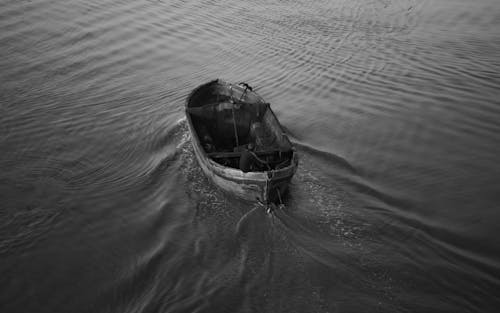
(394, 109)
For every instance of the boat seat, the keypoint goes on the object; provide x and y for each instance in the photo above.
(237, 154)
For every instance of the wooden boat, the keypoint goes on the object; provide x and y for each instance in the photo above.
(239, 143)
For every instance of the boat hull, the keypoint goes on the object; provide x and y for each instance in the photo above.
(261, 186)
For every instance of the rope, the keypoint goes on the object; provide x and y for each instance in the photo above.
(279, 196)
(247, 87)
(244, 92)
(235, 129)
(260, 160)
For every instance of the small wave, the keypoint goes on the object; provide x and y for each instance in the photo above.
(22, 228)
(327, 156)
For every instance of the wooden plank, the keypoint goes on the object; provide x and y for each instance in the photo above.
(237, 154)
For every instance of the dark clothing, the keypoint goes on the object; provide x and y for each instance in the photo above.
(246, 160)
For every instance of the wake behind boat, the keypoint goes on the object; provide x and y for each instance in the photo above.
(239, 143)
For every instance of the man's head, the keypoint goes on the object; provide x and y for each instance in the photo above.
(251, 146)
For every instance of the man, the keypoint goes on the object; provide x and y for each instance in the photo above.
(249, 161)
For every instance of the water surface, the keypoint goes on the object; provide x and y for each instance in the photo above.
(394, 109)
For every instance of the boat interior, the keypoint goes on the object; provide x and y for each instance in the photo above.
(228, 126)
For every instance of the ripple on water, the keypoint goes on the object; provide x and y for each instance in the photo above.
(393, 105)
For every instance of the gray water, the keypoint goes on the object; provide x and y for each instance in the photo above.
(394, 107)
